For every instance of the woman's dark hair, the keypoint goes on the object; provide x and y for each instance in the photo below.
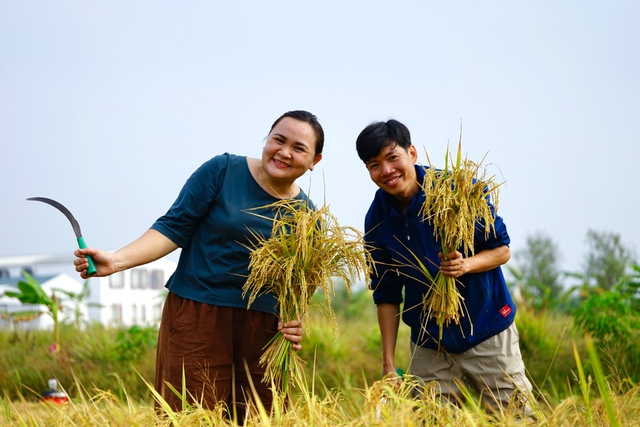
(378, 135)
(307, 117)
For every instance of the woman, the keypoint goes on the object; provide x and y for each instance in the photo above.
(206, 330)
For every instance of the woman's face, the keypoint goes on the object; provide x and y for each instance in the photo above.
(290, 150)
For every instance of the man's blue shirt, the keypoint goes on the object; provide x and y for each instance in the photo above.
(397, 238)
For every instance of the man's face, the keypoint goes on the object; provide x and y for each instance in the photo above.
(393, 170)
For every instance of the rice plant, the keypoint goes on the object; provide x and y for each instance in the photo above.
(307, 249)
(456, 201)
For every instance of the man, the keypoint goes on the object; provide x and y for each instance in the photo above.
(482, 350)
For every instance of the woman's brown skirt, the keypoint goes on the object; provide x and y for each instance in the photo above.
(215, 346)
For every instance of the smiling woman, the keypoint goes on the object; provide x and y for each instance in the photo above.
(285, 155)
(207, 333)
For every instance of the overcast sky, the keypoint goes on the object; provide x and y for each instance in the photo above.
(109, 106)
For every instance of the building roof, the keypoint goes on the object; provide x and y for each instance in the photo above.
(13, 281)
(28, 260)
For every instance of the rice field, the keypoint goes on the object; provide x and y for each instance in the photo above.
(377, 405)
(342, 389)
(106, 373)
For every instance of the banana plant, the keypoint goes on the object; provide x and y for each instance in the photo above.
(31, 292)
(72, 302)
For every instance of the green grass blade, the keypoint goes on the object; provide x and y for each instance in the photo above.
(603, 385)
(584, 384)
(173, 416)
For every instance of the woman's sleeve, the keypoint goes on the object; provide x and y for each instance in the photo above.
(193, 202)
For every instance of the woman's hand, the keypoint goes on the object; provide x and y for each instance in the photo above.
(292, 331)
(152, 245)
(104, 262)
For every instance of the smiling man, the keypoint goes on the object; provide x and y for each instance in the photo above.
(485, 356)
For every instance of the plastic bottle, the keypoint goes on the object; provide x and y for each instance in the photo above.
(54, 394)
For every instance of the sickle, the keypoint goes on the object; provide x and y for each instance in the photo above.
(76, 227)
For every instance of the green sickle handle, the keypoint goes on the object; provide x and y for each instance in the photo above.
(92, 267)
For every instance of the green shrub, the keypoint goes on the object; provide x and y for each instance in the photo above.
(89, 356)
(613, 318)
(133, 343)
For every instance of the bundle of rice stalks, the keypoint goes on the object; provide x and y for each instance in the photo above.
(456, 202)
(307, 249)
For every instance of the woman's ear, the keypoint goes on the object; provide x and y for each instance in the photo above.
(315, 161)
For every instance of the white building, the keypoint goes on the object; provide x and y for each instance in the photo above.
(16, 315)
(132, 297)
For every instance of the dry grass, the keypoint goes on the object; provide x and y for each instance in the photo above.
(593, 401)
(306, 252)
(381, 404)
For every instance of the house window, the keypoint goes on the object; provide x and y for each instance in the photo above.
(143, 314)
(157, 279)
(139, 278)
(116, 280)
(116, 313)
(134, 314)
(157, 312)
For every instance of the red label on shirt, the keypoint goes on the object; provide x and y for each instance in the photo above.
(505, 311)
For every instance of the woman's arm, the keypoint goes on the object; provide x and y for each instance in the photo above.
(152, 245)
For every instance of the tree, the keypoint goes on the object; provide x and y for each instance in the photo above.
(613, 318)
(31, 292)
(538, 271)
(607, 260)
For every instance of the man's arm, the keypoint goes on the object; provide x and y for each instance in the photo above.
(455, 265)
(389, 322)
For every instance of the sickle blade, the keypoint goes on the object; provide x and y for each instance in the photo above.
(64, 210)
(91, 270)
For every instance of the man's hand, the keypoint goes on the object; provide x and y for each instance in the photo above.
(453, 265)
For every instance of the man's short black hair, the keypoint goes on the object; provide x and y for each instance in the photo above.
(378, 135)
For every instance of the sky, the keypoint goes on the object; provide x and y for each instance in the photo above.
(109, 106)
